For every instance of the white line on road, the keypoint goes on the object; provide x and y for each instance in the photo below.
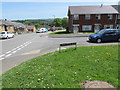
(8, 52)
(8, 55)
(14, 51)
(2, 55)
(19, 48)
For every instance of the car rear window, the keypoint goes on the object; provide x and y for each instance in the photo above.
(9, 32)
(2, 33)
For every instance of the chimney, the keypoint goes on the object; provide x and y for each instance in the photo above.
(101, 5)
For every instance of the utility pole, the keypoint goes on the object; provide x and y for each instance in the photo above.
(54, 23)
(54, 19)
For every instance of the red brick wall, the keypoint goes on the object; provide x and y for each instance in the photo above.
(103, 21)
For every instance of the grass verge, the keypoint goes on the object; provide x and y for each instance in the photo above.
(67, 69)
(60, 33)
(65, 33)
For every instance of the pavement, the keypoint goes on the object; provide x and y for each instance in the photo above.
(69, 36)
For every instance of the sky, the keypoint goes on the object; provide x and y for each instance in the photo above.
(43, 9)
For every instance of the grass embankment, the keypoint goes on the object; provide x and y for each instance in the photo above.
(67, 69)
(60, 33)
(67, 33)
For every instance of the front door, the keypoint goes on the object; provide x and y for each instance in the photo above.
(96, 28)
(75, 29)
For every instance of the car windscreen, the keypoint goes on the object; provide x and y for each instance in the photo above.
(101, 32)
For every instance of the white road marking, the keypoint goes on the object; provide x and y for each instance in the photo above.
(21, 45)
(19, 48)
(2, 58)
(2, 55)
(8, 55)
(14, 51)
(8, 52)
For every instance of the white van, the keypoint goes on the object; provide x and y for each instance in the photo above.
(40, 30)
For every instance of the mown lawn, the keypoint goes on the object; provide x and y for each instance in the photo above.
(67, 69)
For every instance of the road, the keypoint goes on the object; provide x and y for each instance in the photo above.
(27, 46)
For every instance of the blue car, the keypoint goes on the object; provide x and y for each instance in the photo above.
(105, 35)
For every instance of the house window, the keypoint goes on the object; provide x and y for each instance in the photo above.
(76, 17)
(87, 16)
(97, 16)
(110, 16)
(108, 26)
(86, 27)
(119, 16)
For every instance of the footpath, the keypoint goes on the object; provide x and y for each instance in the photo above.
(69, 36)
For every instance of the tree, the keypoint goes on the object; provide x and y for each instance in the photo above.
(57, 22)
(37, 26)
(64, 22)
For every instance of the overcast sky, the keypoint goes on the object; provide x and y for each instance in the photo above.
(43, 9)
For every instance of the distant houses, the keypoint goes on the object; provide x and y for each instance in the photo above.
(93, 18)
(30, 28)
(15, 27)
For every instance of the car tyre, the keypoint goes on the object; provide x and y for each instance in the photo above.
(7, 37)
(99, 40)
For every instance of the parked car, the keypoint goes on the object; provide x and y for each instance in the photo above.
(6, 35)
(105, 35)
(41, 30)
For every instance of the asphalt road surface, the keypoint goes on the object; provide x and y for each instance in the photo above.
(27, 46)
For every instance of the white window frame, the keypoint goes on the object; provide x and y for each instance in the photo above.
(110, 16)
(110, 26)
(86, 27)
(98, 16)
(76, 17)
(87, 17)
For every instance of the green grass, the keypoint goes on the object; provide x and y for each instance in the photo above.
(65, 33)
(60, 33)
(67, 69)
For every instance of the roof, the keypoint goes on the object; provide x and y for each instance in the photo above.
(103, 9)
(30, 27)
(10, 23)
(117, 7)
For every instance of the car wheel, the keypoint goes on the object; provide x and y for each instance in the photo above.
(99, 40)
(118, 39)
(7, 37)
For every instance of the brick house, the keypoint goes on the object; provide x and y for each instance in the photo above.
(30, 28)
(92, 18)
(117, 7)
(10, 26)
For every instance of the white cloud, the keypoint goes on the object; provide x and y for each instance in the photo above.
(60, 0)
